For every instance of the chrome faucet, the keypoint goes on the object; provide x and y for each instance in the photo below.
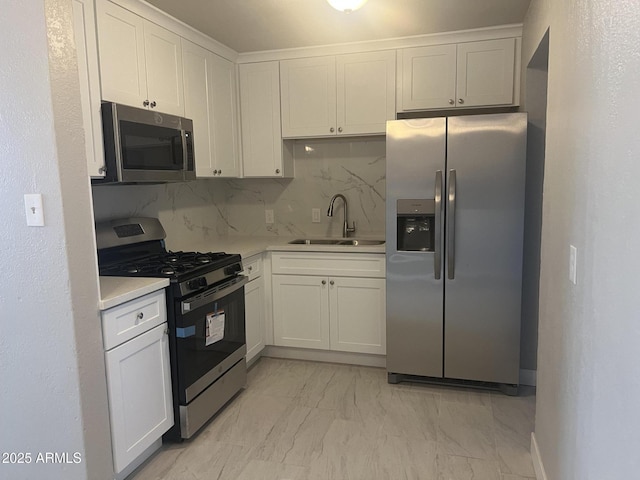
(346, 229)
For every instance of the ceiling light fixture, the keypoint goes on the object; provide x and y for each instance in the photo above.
(347, 6)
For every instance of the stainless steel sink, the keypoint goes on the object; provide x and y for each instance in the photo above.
(311, 241)
(335, 241)
(355, 242)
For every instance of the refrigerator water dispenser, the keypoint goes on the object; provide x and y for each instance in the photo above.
(415, 224)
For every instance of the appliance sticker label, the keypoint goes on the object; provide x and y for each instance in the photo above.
(214, 327)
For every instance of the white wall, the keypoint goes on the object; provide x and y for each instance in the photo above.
(52, 384)
(587, 415)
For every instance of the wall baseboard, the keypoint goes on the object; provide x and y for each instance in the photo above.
(528, 377)
(537, 460)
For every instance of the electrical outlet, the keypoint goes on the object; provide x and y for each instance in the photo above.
(315, 215)
(573, 260)
(33, 209)
(268, 216)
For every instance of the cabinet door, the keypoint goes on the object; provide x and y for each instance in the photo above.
(139, 387)
(427, 77)
(357, 311)
(254, 317)
(308, 88)
(163, 55)
(197, 104)
(84, 29)
(486, 72)
(260, 114)
(225, 116)
(301, 311)
(366, 92)
(122, 57)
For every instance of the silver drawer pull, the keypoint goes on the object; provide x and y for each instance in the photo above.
(140, 316)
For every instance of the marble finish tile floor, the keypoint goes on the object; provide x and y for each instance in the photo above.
(319, 421)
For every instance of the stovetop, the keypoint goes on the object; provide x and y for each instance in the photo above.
(167, 264)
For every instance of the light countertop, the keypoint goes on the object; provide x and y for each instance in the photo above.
(117, 290)
(249, 246)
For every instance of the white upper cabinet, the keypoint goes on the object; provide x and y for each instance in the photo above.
(486, 72)
(308, 87)
(84, 29)
(468, 74)
(140, 62)
(210, 101)
(262, 147)
(366, 86)
(343, 95)
(427, 77)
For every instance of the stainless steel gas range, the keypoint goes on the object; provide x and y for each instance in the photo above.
(205, 310)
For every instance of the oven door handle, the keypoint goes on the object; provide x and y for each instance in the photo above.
(204, 298)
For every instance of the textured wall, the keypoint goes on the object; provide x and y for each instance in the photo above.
(52, 387)
(587, 419)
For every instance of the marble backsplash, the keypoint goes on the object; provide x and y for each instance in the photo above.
(199, 211)
(188, 211)
(323, 167)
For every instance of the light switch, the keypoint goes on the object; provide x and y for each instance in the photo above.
(33, 209)
(315, 215)
(268, 216)
(573, 260)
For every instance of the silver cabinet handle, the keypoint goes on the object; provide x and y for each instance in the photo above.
(277, 170)
(102, 169)
(153, 104)
(324, 282)
(339, 129)
(460, 101)
(219, 172)
(332, 129)
(451, 101)
(250, 268)
(437, 248)
(140, 316)
(332, 282)
(451, 227)
(215, 172)
(145, 103)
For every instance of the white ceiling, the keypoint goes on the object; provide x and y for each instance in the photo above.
(256, 25)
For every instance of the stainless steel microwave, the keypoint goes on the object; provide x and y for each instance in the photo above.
(143, 146)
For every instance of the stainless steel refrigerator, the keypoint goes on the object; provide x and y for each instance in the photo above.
(454, 224)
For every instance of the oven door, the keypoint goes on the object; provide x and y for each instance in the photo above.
(210, 336)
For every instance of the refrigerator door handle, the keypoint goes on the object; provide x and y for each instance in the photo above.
(437, 264)
(451, 226)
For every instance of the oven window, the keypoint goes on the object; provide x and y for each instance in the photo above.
(150, 147)
(208, 335)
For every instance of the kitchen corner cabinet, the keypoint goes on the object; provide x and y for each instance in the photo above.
(340, 311)
(84, 30)
(211, 102)
(472, 74)
(254, 306)
(350, 94)
(138, 375)
(140, 62)
(263, 152)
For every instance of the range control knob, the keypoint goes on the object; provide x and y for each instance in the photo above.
(233, 269)
(197, 283)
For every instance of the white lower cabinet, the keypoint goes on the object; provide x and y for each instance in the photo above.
(254, 307)
(338, 312)
(138, 382)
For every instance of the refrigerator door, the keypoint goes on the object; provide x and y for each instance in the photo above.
(415, 152)
(483, 268)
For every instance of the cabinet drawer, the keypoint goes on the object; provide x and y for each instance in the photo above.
(253, 267)
(330, 264)
(130, 319)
